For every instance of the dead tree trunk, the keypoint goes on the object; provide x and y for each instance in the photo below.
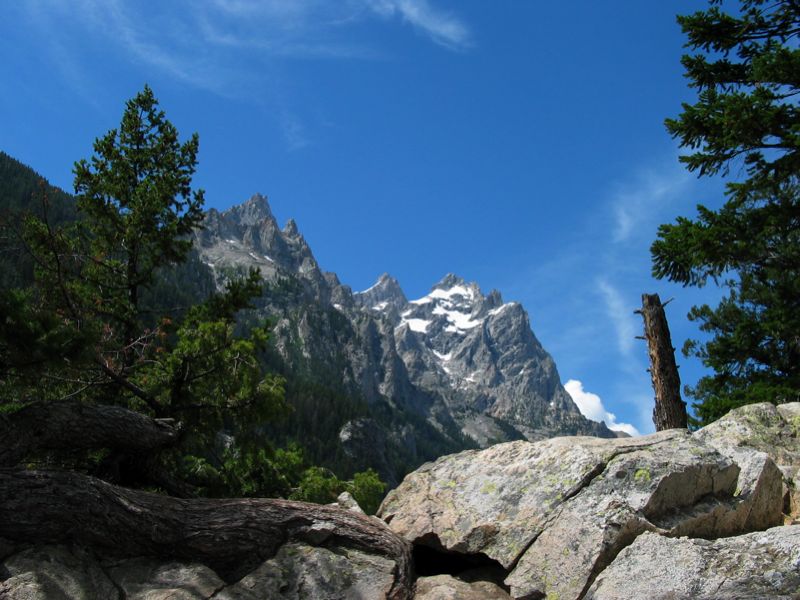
(232, 536)
(669, 411)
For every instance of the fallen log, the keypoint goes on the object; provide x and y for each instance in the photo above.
(72, 425)
(232, 536)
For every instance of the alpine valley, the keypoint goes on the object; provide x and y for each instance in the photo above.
(398, 381)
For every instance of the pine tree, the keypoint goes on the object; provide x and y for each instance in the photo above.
(84, 331)
(745, 66)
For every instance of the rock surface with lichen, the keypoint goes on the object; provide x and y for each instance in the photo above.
(555, 514)
(296, 572)
(760, 565)
(773, 430)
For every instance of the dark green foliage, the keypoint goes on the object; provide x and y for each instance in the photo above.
(368, 490)
(90, 327)
(323, 487)
(23, 192)
(115, 307)
(285, 472)
(746, 68)
(20, 187)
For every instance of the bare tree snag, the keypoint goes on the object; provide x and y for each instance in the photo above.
(69, 425)
(669, 411)
(232, 536)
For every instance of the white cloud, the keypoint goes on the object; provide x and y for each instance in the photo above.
(443, 28)
(293, 131)
(621, 314)
(591, 407)
(636, 202)
(232, 48)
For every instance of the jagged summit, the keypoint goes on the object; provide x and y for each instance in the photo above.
(458, 338)
(290, 228)
(247, 235)
(385, 293)
(465, 363)
(450, 281)
(252, 212)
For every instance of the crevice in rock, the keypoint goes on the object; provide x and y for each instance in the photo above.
(698, 520)
(579, 487)
(121, 595)
(690, 492)
(430, 558)
(585, 482)
(624, 538)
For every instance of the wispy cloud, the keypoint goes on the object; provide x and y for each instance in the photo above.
(620, 313)
(233, 48)
(293, 131)
(636, 201)
(443, 28)
(591, 407)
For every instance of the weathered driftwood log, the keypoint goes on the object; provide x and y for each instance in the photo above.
(70, 425)
(232, 536)
(669, 411)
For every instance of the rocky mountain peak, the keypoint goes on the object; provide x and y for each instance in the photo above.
(385, 293)
(494, 300)
(467, 362)
(290, 229)
(449, 281)
(247, 236)
(254, 211)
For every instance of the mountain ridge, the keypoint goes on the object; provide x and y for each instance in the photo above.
(465, 363)
(367, 389)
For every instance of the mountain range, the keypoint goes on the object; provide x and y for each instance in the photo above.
(454, 369)
(373, 379)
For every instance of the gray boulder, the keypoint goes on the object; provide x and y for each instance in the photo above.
(754, 566)
(299, 572)
(151, 579)
(446, 587)
(345, 500)
(54, 573)
(772, 430)
(555, 513)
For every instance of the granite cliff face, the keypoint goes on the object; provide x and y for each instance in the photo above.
(452, 370)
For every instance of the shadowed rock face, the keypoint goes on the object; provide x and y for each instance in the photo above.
(465, 363)
(296, 572)
(556, 513)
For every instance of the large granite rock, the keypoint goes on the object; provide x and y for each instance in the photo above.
(773, 430)
(151, 579)
(446, 587)
(296, 572)
(754, 566)
(664, 516)
(555, 513)
(54, 573)
(299, 572)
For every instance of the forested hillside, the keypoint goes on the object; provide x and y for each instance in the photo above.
(115, 308)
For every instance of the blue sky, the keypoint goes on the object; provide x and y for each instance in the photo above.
(518, 144)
